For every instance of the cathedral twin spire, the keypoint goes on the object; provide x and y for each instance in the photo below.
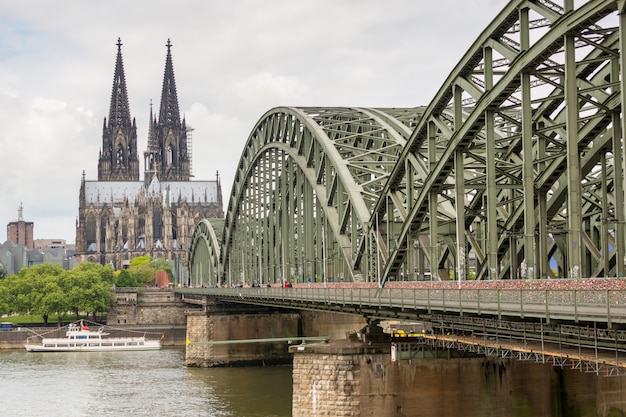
(119, 113)
(166, 154)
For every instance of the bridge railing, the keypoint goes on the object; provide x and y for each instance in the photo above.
(594, 305)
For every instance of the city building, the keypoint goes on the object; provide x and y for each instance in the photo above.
(16, 254)
(14, 257)
(21, 232)
(121, 216)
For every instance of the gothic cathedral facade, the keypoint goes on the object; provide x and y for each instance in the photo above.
(121, 216)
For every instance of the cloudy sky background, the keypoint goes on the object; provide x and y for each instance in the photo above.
(233, 60)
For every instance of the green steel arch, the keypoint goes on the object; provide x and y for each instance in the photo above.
(514, 170)
(304, 191)
(204, 257)
(524, 144)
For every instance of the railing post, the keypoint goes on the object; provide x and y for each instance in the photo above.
(608, 308)
(499, 310)
(443, 299)
(381, 301)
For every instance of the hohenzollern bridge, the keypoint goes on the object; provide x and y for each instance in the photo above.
(514, 170)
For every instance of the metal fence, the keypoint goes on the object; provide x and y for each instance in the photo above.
(578, 305)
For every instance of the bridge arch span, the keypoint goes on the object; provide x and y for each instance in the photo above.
(304, 190)
(204, 257)
(514, 170)
(524, 143)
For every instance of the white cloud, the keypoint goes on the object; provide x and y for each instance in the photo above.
(265, 90)
(233, 61)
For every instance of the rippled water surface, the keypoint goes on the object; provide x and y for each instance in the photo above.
(137, 384)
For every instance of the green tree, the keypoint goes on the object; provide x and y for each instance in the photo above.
(165, 265)
(140, 260)
(30, 285)
(145, 267)
(5, 298)
(126, 279)
(145, 273)
(88, 288)
(48, 289)
(101, 298)
(52, 300)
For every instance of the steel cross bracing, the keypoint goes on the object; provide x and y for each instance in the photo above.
(587, 348)
(204, 256)
(304, 191)
(514, 170)
(524, 148)
(598, 366)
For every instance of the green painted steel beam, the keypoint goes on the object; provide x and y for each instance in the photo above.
(290, 340)
(514, 169)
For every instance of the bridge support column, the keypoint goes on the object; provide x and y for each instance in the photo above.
(336, 378)
(212, 338)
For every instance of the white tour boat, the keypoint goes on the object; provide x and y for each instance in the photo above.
(80, 338)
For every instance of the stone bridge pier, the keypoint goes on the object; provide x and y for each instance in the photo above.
(229, 334)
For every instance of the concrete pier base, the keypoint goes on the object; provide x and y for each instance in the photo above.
(350, 379)
(332, 379)
(203, 328)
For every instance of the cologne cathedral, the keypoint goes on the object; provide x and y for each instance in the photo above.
(120, 216)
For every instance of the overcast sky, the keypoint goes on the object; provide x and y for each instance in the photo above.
(233, 60)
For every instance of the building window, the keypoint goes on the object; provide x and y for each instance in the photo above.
(91, 233)
(157, 225)
(120, 155)
(170, 155)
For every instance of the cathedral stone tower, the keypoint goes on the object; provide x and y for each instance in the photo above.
(167, 140)
(121, 217)
(118, 156)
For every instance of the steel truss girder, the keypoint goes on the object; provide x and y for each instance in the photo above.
(205, 253)
(512, 142)
(503, 352)
(304, 190)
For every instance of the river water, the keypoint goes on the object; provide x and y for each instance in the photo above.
(154, 383)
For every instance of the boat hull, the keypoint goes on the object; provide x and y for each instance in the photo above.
(148, 345)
